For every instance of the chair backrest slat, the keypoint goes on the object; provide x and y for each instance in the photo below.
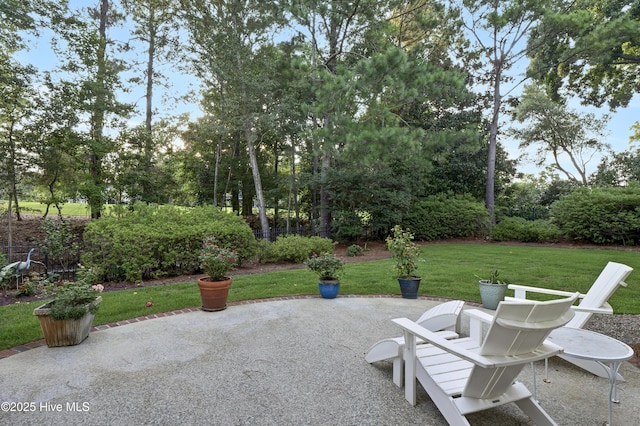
(519, 327)
(611, 277)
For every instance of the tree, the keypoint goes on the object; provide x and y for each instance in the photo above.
(618, 169)
(499, 30)
(90, 61)
(154, 25)
(560, 132)
(56, 142)
(229, 42)
(338, 33)
(591, 48)
(16, 107)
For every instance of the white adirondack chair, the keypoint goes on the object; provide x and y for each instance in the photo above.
(441, 318)
(595, 301)
(467, 375)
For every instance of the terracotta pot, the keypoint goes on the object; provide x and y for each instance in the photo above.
(67, 332)
(214, 293)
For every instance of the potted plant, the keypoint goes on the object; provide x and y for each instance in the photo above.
(66, 320)
(216, 262)
(329, 268)
(492, 290)
(406, 254)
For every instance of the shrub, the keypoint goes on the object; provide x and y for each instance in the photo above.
(326, 265)
(295, 248)
(154, 241)
(355, 250)
(346, 227)
(216, 261)
(600, 215)
(519, 229)
(405, 252)
(442, 217)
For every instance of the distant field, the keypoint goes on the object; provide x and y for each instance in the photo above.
(32, 207)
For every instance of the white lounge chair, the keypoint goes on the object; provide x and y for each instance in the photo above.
(594, 301)
(471, 374)
(441, 318)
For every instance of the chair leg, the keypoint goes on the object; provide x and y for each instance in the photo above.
(532, 409)
(398, 371)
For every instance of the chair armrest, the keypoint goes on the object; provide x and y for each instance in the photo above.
(477, 319)
(413, 330)
(604, 309)
(520, 291)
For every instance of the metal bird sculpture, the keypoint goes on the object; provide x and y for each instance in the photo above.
(17, 267)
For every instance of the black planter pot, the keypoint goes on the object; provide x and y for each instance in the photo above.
(409, 287)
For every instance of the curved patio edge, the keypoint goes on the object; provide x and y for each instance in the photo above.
(38, 343)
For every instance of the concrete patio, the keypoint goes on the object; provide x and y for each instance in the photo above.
(282, 362)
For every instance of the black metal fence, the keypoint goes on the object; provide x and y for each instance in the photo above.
(64, 266)
(304, 231)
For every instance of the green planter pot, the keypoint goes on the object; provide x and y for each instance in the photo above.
(491, 294)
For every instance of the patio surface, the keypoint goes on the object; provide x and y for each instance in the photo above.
(279, 362)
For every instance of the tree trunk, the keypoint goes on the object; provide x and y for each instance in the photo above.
(264, 222)
(95, 159)
(490, 196)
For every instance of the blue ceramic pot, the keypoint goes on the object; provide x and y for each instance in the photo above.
(329, 289)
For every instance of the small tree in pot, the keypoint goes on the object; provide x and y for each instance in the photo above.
(329, 268)
(216, 262)
(406, 254)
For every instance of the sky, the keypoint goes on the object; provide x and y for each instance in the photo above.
(41, 56)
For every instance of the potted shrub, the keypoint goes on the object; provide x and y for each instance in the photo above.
(492, 290)
(406, 254)
(66, 320)
(216, 262)
(329, 268)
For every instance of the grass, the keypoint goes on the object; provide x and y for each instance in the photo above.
(449, 271)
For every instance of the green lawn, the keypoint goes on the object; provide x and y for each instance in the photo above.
(449, 271)
(68, 209)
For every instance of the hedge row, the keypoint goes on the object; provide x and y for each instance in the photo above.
(600, 215)
(442, 217)
(156, 241)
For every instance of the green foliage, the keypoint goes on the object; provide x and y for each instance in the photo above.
(154, 241)
(58, 241)
(327, 266)
(346, 226)
(493, 277)
(600, 215)
(520, 229)
(295, 248)
(405, 252)
(442, 217)
(567, 269)
(216, 261)
(73, 299)
(5, 275)
(355, 250)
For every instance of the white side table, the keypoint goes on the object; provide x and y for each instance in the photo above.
(586, 344)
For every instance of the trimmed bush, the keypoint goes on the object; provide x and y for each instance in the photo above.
(600, 215)
(442, 217)
(519, 229)
(295, 248)
(154, 241)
